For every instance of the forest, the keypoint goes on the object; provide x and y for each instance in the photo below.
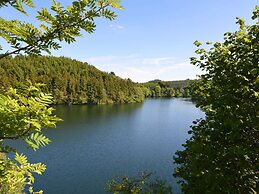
(74, 82)
(69, 81)
(159, 88)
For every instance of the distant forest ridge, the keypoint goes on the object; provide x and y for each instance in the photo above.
(159, 88)
(173, 84)
(74, 82)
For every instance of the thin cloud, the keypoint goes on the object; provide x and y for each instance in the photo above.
(142, 69)
(158, 60)
(116, 27)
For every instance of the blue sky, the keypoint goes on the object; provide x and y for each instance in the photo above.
(153, 39)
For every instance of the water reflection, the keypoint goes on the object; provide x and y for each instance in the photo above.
(97, 143)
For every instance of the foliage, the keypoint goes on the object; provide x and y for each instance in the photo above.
(56, 25)
(222, 154)
(158, 88)
(70, 81)
(24, 112)
(140, 185)
(15, 175)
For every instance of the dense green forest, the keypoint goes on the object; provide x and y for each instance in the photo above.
(74, 82)
(158, 88)
(69, 81)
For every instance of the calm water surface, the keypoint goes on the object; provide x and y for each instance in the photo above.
(97, 143)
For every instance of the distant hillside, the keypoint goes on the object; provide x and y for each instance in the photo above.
(70, 81)
(159, 88)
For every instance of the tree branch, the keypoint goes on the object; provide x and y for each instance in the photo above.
(15, 51)
(51, 35)
(18, 136)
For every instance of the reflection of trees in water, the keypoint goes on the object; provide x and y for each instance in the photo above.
(80, 113)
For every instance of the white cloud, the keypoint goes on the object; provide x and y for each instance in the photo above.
(116, 27)
(142, 69)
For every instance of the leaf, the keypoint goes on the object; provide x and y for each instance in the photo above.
(36, 140)
(197, 43)
(22, 159)
(254, 72)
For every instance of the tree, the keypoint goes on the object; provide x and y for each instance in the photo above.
(171, 92)
(24, 112)
(143, 184)
(157, 91)
(222, 154)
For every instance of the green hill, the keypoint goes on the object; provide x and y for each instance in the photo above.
(70, 81)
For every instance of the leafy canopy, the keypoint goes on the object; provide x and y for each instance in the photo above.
(222, 154)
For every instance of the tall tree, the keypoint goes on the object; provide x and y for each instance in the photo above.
(222, 155)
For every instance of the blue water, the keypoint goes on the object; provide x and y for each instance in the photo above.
(97, 143)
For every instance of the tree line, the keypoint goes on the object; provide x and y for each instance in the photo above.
(69, 81)
(74, 82)
(159, 88)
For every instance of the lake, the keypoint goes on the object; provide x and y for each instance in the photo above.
(97, 143)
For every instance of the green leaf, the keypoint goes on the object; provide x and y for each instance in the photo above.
(197, 43)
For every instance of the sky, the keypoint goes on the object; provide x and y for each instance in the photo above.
(153, 39)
